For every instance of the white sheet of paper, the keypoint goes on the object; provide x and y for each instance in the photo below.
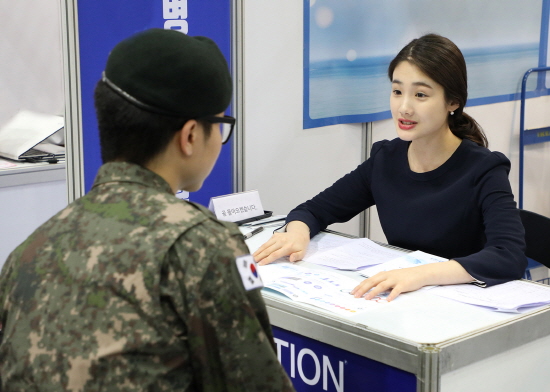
(7, 164)
(324, 241)
(506, 297)
(408, 260)
(352, 254)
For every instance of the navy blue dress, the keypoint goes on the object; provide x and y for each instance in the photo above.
(463, 210)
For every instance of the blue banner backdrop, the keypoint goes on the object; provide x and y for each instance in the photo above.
(349, 45)
(104, 23)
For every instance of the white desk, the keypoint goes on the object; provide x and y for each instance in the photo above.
(448, 346)
(30, 173)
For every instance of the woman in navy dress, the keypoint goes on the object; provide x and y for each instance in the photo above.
(437, 187)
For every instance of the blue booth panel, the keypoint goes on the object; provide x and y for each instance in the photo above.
(103, 23)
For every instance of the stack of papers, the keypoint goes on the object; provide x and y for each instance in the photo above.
(515, 296)
(347, 253)
(329, 291)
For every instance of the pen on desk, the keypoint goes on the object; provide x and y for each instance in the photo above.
(253, 232)
(264, 222)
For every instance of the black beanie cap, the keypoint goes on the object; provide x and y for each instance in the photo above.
(170, 73)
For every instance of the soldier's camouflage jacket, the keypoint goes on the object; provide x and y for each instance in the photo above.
(132, 289)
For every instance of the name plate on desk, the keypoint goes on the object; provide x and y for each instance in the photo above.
(236, 206)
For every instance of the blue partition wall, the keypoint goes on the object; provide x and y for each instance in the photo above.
(103, 23)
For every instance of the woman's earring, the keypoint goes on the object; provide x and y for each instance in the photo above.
(452, 113)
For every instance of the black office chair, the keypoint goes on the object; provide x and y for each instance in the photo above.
(537, 240)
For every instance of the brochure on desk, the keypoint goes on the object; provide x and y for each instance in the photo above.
(323, 289)
(331, 290)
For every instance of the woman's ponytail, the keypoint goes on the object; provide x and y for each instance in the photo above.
(465, 127)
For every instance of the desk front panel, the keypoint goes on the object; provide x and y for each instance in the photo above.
(316, 366)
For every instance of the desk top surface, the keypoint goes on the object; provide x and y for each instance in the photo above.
(9, 167)
(14, 173)
(416, 317)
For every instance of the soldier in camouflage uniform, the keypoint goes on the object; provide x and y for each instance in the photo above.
(130, 288)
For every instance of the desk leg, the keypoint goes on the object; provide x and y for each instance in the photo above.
(429, 375)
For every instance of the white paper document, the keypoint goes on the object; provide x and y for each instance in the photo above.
(7, 164)
(408, 260)
(329, 291)
(347, 253)
(325, 241)
(514, 296)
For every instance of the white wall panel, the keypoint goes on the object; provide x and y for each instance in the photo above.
(31, 70)
(286, 163)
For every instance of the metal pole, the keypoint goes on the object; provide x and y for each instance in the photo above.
(73, 107)
(237, 44)
(522, 129)
(366, 144)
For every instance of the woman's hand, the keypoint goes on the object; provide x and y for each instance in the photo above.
(293, 243)
(411, 279)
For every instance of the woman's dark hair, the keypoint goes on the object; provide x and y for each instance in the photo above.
(129, 133)
(441, 60)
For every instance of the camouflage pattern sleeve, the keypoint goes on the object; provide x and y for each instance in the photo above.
(3, 294)
(229, 337)
(3, 304)
(5, 278)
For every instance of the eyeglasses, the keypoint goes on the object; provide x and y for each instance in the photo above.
(227, 122)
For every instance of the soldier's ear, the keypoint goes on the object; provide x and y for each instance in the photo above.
(188, 137)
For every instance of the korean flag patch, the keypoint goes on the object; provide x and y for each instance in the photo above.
(249, 272)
